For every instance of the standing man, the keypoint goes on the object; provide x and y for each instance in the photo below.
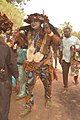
(8, 67)
(39, 38)
(65, 56)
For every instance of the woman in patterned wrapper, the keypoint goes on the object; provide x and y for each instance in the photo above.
(40, 38)
(75, 61)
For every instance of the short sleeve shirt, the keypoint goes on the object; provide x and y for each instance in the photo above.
(66, 44)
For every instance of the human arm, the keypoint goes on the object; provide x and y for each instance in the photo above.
(60, 57)
(12, 67)
(52, 33)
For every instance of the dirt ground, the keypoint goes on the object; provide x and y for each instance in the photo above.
(64, 106)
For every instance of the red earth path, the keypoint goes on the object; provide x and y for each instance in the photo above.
(64, 106)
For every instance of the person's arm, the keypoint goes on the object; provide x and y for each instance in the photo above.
(60, 53)
(60, 57)
(56, 40)
(13, 68)
(12, 63)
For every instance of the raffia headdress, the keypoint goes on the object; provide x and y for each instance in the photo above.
(36, 16)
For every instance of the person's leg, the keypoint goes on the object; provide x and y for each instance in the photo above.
(20, 75)
(75, 72)
(76, 79)
(13, 84)
(5, 94)
(55, 58)
(22, 85)
(65, 67)
(30, 82)
(47, 82)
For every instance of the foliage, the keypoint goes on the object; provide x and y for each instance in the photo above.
(12, 12)
(77, 34)
(20, 4)
(18, 1)
(11, 1)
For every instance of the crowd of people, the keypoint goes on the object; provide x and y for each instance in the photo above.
(26, 54)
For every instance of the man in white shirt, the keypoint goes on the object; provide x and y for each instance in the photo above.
(65, 58)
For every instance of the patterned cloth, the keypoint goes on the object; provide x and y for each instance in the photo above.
(75, 60)
(42, 69)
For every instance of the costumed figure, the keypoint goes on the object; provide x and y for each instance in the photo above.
(39, 59)
(5, 22)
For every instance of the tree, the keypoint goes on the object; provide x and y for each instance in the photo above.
(18, 1)
(77, 34)
(11, 1)
(20, 4)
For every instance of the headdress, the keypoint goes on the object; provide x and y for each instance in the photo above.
(5, 22)
(36, 16)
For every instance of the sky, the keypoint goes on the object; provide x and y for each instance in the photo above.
(58, 11)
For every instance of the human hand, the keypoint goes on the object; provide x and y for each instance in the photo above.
(60, 61)
(46, 28)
